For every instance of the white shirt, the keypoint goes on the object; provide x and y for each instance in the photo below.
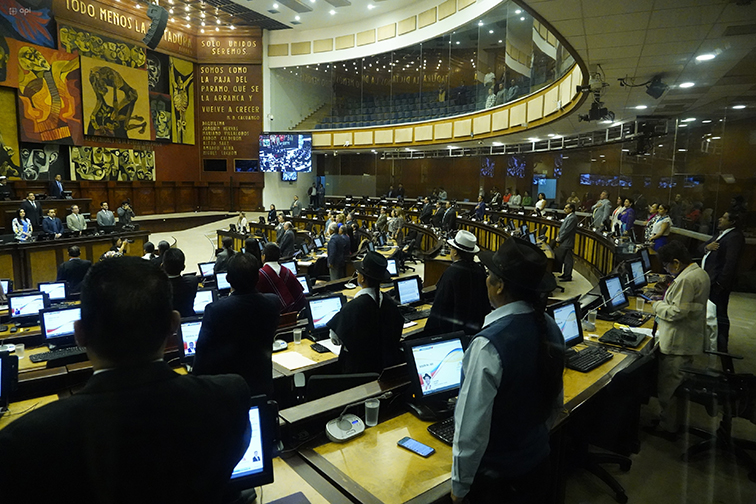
(703, 261)
(274, 266)
(515, 200)
(540, 204)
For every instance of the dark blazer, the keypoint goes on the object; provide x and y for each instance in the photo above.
(144, 434)
(52, 226)
(287, 244)
(184, 292)
(722, 264)
(33, 211)
(449, 222)
(237, 337)
(221, 260)
(427, 213)
(54, 190)
(73, 271)
(438, 217)
(461, 300)
(567, 231)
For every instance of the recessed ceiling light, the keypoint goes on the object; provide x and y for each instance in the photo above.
(202, 30)
(217, 29)
(518, 11)
(605, 121)
(371, 6)
(522, 18)
(715, 138)
(187, 25)
(706, 57)
(332, 12)
(687, 84)
(170, 10)
(457, 42)
(187, 8)
(593, 160)
(602, 155)
(500, 41)
(202, 15)
(296, 18)
(490, 31)
(138, 6)
(173, 20)
(683, 125)
(550, 134)
(202, 23)
(625, 150)
(706, 121)
(661, 145)
(480, 23)
(565, 157)
(232, 27)
(738, 107)
(641, 107)
(187, 17)
(689, 119)
(275, 6)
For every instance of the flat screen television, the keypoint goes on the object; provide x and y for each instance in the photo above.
(289, 176)
(285, 152)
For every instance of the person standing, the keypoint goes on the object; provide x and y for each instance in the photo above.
(321, 195)
(312, 193)
(287, 240)
(237, 331)
(480, 209)
(602, 210)
(74, 270)
(296, 207)
(661, 227)
(426, 214)
(461, 300)
(449, 222)
(382, 222)
(75, 221)
(56, 187)
(516, 199)
(22, 227)
(33, 209)
(272, 214)
(125, 214)
(438, 218)
(511, 387)
(105, 217)
(566, 241)
(336, 251)
(627, 216)
(681, 319)
(280, 281)
(541, 203)
(721, 257)
(51, 225)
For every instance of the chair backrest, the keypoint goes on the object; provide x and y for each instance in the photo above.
(324, 385)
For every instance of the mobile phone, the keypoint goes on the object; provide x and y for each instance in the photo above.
(416, 447)
(645, 297)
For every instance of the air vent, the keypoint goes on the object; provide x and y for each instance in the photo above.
(735, 30)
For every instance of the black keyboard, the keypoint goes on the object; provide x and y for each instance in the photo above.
(634, 319)
(443, 430)
(61, 356)
(588, 359)
(416, 315)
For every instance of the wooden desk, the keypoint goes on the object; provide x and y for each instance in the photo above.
(20, 408)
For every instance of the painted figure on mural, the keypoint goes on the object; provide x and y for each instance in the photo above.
(7, 167)
(114, 117)
(36, 162)
(161, 117)
(181, 99)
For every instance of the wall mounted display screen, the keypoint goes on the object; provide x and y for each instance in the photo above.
(285, 152)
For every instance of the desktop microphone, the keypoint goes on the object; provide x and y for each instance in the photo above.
(612, 298)
(347, 425)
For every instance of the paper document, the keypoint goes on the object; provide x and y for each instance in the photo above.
(330, 346)
(292, 360)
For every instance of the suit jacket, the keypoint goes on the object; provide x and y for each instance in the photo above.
(144, 434)
(55, 190)
(52, 226)
(75, 223)
(426, 214)
(336, 252)
(438, 217)
(221, 260)
(73, 271)
(287, 244)
(681, 315)
(461, 301)
(105, 218)
(184, 292)
(567, 231)
(237, 337)
(449, 222)
(722, 264)
(33, 211)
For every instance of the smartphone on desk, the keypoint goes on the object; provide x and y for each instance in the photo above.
(416, 447)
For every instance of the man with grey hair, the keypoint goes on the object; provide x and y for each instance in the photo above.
(336, 257)
(287, 241)
(602, 210)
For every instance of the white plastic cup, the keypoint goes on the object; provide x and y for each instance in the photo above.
(372, 407)
(592, 316)
(20, 350)
(640, 303)
(297, 336)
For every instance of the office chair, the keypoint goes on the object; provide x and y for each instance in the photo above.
(735, 395)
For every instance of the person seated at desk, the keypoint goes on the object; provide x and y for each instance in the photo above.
(184, 287)
(280, 281)
(225, 255)
(105, 217)
(76, 222)
(512, 384)
(51, 225)
(74, 270)
(22, 227)
(138, 431)
(369, 327)
(237, 331)
(461, 301)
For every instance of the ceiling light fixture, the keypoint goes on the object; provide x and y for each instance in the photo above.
(297, 18)
(217, 21)
(686, 85)
(522, 18)
(738, 107)
(371, 6)
(706, 121)
(187, 8)
(689, 119)
(706, 57)
(332, 12)
(641, 107)
(480, 23)
(518, 11)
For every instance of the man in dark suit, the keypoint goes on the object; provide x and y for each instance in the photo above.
(184, 287)
(74, 270)
(51, 225)
(449, 222)
(566, 241)
(721, 257)
(336, 253)
(287, 241)
(6, 192)
(56, 188)
(438, 217)
(237, 331)
(33, 209)
(427, 212)
(138, 431)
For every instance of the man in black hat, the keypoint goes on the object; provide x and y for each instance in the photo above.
(369, 327)
(512, 385)
(461, 301)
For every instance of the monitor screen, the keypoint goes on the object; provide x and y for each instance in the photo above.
(26, 305)
(437, 364)
(322, 310)
(532, 238)
(190, 329)
(290, 265)
(317, 242)
(221, 282)
(392, 267)
(289, 176)
(7, 285)
(408, 289)
(207, 270)
(56, 291)
(202, 299)
(637, 275)
(614, 296)
(371, 248)
(381, 240)
(285, 152)
(305, 284)
(256, 465)
(305, 249)
(567, 316)
(59, 322)
(646, 259)
(524, 229)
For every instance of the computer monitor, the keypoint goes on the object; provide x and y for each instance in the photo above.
(371, 247)
(7, 285)
(435, 366)
(646, 260)
(317, 242)
(408, 289)
(511, 225)
(322, 310)
(220, 281)
(614, 295)
(381, 240)
(291, 265)
(256, 465)
(188, 335)
(304, 280)
(637, 275)
(57, 325)
(305, 249)
(207, 270)
(203, 298)
(392, 267)
(567, 316)
(56, 291)
(8, 379)
(524, 229)
(23, 308)
(532, 238)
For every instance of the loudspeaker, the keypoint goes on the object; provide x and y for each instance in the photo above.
(159, 18)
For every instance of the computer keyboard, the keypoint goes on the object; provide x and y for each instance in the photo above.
(443, 430)
(61, 356)
(416, 315)
(588, 359)
(629, 318)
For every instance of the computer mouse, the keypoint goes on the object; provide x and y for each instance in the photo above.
(279, 345)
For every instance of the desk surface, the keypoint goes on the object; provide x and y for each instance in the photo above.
(20, 408)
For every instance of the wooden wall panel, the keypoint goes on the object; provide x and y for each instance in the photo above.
(248, 198)
(165, 198)
(187, 199)
(45, 266)
(217, 197)
(144, 200)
